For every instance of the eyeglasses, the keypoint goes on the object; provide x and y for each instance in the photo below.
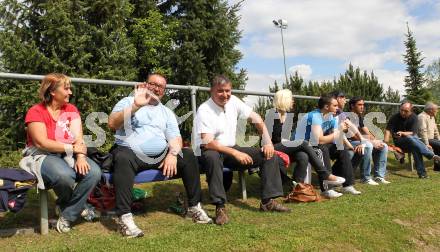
(156, 85)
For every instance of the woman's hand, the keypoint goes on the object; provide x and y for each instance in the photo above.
(81, 165)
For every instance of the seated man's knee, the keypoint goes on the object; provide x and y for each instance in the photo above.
(211, 155)
(188, 153)
(122, 158)
(368, 147)
(301, 158)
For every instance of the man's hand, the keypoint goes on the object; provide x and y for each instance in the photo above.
(243, 158)
(359, 149)
(268, 151)
(169, 166)
(399, 134)
(81, 165)
(429, 146)
(143, 96)
(377, 144)
(344, 126)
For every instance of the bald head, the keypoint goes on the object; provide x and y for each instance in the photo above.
(406, 109)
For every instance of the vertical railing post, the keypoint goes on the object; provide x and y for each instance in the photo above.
(194, 110)
(44, 220)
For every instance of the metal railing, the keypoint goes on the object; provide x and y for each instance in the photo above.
(193, 89)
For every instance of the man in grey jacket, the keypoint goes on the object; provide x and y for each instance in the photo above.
(428, 131)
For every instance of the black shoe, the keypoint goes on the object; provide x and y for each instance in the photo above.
(402, 160)
(253, 170)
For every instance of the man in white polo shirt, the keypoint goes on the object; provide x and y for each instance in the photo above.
(216, 127)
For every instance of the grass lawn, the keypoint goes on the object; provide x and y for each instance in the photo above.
(402, 216)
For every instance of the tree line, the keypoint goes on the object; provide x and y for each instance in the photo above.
(189, 41)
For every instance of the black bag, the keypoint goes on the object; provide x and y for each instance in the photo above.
(14, 185)
(104, 160)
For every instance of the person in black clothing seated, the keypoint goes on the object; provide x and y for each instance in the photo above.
(279, 123)
(403, 128)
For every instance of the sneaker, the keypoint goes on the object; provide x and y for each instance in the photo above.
(198, 215)
(351, 190)
(335, 181)
(436, 158)
(399, 156)
(369, 182)
(423, 176)
(381, 180)
(63, 225)
(253, 170)
(89, 213)
(221, 217)
(273, 206)
(331, 194)
(127, 227)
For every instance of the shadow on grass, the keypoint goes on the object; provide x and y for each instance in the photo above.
(402, 175)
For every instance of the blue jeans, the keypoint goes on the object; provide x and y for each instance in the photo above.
(379, 157)
(418, 149)
(61, 178)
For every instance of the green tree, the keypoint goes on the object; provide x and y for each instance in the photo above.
(391, 96)
(354, 82)
(432, 75)
(78, 38)
(153, 35)
(204, 47)
(415, 91)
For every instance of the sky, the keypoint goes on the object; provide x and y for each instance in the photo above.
(324, 36)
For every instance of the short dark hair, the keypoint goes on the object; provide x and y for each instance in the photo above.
(337, 93)
(219, 80)
(353, 101)
(325, 99)
(157, 74)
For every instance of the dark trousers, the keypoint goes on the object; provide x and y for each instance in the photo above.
(303, 154)
(127, 165)
(213, 162)
(436, 148)
(342, 167)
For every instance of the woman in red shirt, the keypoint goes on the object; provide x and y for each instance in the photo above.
(54, 129)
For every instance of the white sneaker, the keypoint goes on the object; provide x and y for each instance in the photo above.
(351, 190)
(198, 215)
(89, 213)
(370, 182)
(127, 227)
(331, 194)
(381, 180)
(63, 225)
(338, 181)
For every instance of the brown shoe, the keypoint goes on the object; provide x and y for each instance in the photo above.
(221, 217)
(273, 206)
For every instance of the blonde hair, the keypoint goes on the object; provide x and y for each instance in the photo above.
(49, 83)
(283, 100)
